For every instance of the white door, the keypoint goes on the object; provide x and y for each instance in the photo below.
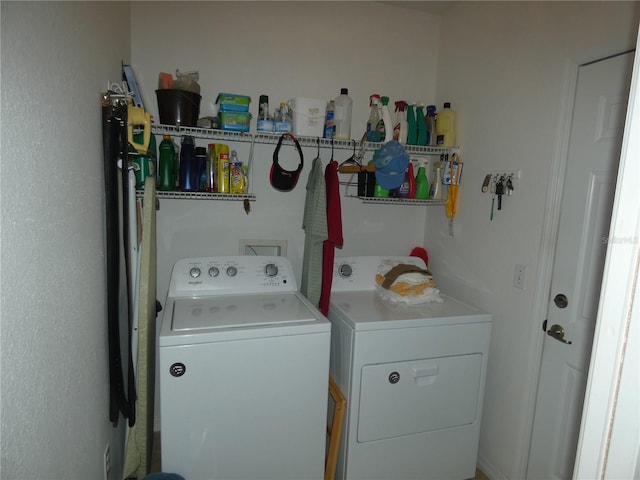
(587, 200)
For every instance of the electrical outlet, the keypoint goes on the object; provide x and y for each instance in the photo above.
(519, 276)
(107, 462)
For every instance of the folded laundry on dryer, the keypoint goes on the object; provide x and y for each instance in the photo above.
(402, 280)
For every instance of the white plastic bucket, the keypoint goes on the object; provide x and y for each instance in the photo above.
(308, 116)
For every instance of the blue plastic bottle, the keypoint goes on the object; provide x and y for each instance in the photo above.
(188, 165)
(201, 168)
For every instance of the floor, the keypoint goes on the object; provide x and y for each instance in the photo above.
(155, 459)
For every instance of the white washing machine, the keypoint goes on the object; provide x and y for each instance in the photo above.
(413, 377)
(244, 368)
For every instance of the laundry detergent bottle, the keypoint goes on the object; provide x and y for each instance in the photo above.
(422, 183)
(445, 127)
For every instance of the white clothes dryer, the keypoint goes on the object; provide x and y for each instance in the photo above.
(413, 376)
(244, 368)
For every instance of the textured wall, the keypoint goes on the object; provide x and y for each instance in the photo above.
(56, 59)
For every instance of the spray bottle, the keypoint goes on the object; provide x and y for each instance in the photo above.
(412, 132)
(386, 119)
(421, 126)
(400, 129)
(373, 135)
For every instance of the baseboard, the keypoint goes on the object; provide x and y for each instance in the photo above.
(489, 470)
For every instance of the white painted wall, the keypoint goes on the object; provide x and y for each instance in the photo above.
(503, 70)
(285, 50)
(56, 59)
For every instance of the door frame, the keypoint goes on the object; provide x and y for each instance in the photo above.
(548, 240)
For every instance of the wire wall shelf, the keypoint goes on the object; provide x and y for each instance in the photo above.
(201, 195)
(397, 201)
(273, 138)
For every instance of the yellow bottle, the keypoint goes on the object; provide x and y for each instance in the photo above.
(222, 155)
(445, 127)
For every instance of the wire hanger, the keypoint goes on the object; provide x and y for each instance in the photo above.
(353, 160)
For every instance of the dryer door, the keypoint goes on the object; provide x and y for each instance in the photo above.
(405, 398)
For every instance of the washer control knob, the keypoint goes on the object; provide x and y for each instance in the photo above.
(232, 271)
(345, 270)
(214, 271)
(194, 272)
(271, 270)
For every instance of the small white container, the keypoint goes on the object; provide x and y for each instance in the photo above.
(308, 116)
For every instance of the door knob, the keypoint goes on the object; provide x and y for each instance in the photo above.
(557, 331)
(561, 300)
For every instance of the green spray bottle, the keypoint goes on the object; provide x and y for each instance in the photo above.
(421, 125)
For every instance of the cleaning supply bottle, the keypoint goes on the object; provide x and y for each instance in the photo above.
(237, 180)
(329, 126)
(342, 115)
(188, 165)
(445, 127)
(166, 181)
(435, 192)
(212, 168)
(387, 136)
(421, 125)
(422, 184)
(282, 123)
(264, 122)
(408, 188)
(400, 129)
(373, 135)
(412, 132)
(201, 168)
(430, 118)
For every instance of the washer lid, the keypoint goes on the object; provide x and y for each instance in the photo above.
(365, 310)
(238, 311)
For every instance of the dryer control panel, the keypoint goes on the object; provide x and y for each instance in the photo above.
(359, 273)
(231, 275)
